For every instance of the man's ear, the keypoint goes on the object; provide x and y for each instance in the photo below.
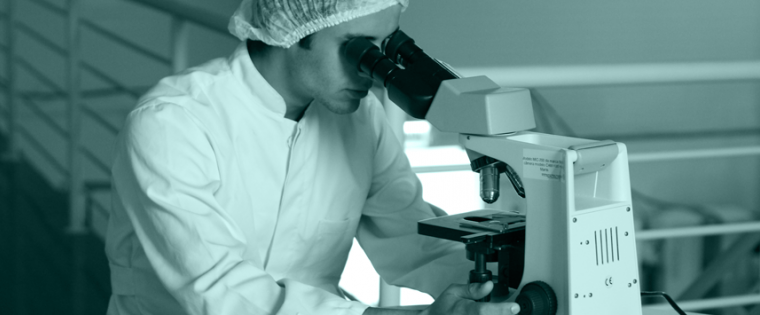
(305, 43)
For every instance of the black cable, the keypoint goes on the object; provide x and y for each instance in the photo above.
(667, 297)
(543, 123)
(549, 110)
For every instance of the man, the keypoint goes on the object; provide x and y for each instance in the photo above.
(240, 184)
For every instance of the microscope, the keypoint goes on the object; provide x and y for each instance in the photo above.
(574, 250)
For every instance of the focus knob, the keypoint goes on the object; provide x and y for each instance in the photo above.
(537, 298)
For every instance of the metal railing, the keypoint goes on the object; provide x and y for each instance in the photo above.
(10, 80)
(27, 142)
(77, 105)
(619, 74)
(71, 93)
(183, 14)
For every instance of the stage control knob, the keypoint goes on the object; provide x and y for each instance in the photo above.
(537, 298)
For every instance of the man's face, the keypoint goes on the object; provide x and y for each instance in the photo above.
(322, 73)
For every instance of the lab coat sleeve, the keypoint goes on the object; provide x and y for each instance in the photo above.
(166, 175)
(388, 227)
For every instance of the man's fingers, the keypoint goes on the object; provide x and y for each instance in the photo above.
(479, 290)
(459, 298)
(505, 308)
(472, 291)
(514, 308)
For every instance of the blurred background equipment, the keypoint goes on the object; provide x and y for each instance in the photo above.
(676, 81)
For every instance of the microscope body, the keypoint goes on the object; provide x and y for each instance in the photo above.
(576, 241)
(579, 231)
(574, 250)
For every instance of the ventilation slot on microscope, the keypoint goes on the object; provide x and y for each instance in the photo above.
(607, 246)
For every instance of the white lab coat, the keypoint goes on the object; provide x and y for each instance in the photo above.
(223, 206)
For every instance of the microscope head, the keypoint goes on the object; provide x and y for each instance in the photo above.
(429, 89)
(426, 88)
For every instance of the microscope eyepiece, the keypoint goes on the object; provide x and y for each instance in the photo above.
(370, 61)
(412, 87)
(401, 48)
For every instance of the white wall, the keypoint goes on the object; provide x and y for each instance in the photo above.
(498, 32)
(524, 33)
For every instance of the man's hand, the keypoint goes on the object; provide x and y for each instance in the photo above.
(460, 299)
(456, 299)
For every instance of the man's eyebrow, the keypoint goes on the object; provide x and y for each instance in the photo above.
(350, 36)
(353, 35)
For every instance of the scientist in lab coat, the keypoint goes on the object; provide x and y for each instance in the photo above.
(240, 184)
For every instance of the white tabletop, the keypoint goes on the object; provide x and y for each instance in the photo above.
(661, 311)
(647, 310)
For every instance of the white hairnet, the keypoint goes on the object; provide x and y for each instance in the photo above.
(285, 22)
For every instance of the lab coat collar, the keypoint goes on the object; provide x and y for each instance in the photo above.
(242, 67)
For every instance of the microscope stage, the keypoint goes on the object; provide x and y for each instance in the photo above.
(467, 226)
